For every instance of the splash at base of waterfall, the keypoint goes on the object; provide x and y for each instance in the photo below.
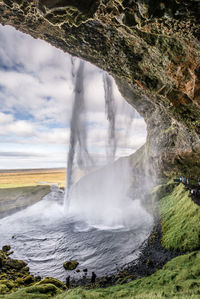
(43, 236)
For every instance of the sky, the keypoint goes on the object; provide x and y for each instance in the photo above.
(36, 97)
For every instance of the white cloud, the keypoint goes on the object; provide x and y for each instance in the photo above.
(53, 136)
(36, 95)
(21, 128)
(5, 118)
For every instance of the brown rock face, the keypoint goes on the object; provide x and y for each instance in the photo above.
(150, 47)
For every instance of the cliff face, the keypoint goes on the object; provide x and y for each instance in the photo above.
(150, 47)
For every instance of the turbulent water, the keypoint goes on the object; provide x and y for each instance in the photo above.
(43, 236)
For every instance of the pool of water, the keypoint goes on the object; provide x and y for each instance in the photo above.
(45, 236)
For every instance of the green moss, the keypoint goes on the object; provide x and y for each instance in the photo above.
(53, 281)
(28, 280)
(35, 292)
(70, 265)
(3, 288)
(16, 264)
(6, 248)
(180, 221)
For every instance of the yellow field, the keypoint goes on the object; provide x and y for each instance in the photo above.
(32, 178)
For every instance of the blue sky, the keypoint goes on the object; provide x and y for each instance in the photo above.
(36, 96)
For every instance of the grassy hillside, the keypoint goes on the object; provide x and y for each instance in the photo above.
(180, 221)
(179, 278)
(14, 199)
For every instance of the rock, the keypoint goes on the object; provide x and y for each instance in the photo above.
(6, 248)
(59, 284)
(70, 265)
(3, 289)
(85, 270)
(28, 280)
(15, 264)
(20, 281)
(38, 278)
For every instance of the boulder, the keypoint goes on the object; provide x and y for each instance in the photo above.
(70, 265)
(6, 248)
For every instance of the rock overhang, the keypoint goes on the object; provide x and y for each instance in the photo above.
(151, 48)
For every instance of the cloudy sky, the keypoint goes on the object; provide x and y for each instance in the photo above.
(36, 97)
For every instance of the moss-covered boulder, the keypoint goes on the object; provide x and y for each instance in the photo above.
(3, 289)
(15, 275)
(6, 248)
(15, 264)
(70, 265)
(59, 284)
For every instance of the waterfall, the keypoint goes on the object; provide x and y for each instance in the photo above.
(78, 130)
(78, 155)
(110, 110)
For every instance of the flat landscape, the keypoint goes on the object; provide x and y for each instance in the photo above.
(22, 188)
(31, 177)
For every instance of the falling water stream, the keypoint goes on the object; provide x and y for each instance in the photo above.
(78, 130)
(110, 110)
(103, 227)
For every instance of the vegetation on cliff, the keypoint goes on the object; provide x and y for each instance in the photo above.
(180, 221)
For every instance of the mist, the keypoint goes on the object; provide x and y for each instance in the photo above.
(103, 198)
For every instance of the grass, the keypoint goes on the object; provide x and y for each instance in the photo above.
(15, 198)
(179, 278)
(180, 221)
(32, 178)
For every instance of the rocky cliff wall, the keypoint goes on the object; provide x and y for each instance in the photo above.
(150, 47)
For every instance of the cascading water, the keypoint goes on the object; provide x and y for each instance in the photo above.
(110, 110)
(78, 130)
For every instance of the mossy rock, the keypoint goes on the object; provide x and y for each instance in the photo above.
(59, 284)
(15, 264)
(28, 280)
(20, 281)
(38, 291)
(1, 262)
(70, 265)
(3, 258)
(3, 289)
(6, 248)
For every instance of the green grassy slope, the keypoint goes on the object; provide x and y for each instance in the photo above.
(180, 221)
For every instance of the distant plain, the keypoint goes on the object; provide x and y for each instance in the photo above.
(31, 177)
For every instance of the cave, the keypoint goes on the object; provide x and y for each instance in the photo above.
(147, 50)
(151, 49)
